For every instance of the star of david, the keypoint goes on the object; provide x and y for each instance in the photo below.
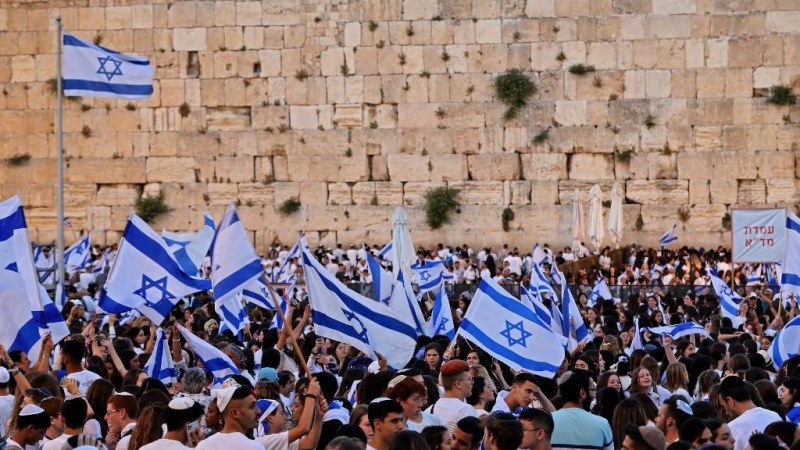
(172, 242)
(362, 335)
(13, 267)
(160, 285)
(424, 275)
(524, 334)
(442, 325)
(79, 250)
(103, 71)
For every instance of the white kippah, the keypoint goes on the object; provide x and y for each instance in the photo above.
(180, 404)
(30, 410)
(395, 381)
(380, 399)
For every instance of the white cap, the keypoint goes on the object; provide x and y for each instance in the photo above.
(30, 410)
(223, 396)
(4, 375)
(374, 367)
(182, 403)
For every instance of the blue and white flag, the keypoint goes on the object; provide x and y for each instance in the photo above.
(386, 252)
(404, 303)
(382, 281)
(441, 322)
(44, 262)
(636, 342)
(233, 315)
(600, 291)
(77, 255)
(680, 330)
(145, 275)
(189, 249)
(346, 316)
(728, 299)
(234, 263)
(540, 284)
(670, 236)
(94, 71)
(160, 365)
(571, 319)
(102, 262)
(258, 294)
(754, 276)
(277, 322)
(68, 222)
(510, 331)
(790, 279)
(539, 255)
(428, 276)
(770, 277)
(284, 273)
(212, 358)
(529, 299)
(28, 313)
(786, 343)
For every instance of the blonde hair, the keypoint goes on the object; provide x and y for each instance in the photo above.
(481, 371)
(677, 377)
(613, 344)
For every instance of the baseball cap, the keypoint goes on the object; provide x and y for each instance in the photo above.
(267, 374)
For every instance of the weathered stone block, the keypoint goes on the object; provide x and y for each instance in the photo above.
(189, 39)
(116, 195)
(657, 192)
(106, 171)
(695, 166)
(591, 167)
(170, 169)
(752, 192)
(409, 168)
(782, 191)
(480, 192)
(449, 167)
(699, 192)
(724, 191)
(738, 166)
(544, 166)
(494, 167)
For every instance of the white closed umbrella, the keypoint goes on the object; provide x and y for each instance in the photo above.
(578, 223)
(595, 228)
(615, 215)
(403, 253)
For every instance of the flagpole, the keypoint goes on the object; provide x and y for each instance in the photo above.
(60, 151)
(286, 324)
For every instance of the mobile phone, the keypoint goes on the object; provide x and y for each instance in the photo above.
(190, 429)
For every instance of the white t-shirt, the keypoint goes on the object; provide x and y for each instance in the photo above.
(751, 421)
(279, 441)
(57, 443)
(127, 433)
(231, 441)
(6, 408)
(164, 444)
(84, 379)
(450, 411)
(428, 420)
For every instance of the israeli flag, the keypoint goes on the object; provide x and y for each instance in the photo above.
(571, 319)
(28, 313)
(539, 255)
(728, 299)
(769, 275)
(428, 275)
(94, 71)
(77, 255)
(44, 262)
(636, 342)
(145, 275)
(382, 282)
(790, 279)
(680, 330)
(600, 291)
(234, 263)
(233, 315)
(284, 274)
(511, 332)
(346, 316)
(212, 358)
(160, 364)
(670, 236)
(277, 322)
(786, 343)
(258, 294)
(754, 276)
(536, 305)
(61, 294)
(386, 252)
(404, 303)
(189, 249)
(441, 322)
(540, 284)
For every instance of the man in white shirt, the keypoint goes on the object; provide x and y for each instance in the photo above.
(457, 383)
(523, 392)
(238, 408)
(74, 413)
(6, 400)
(386, 417)
(735, 396)
(181, 412)
(32, 423)
(72, 353)
(515, 263)
(352, 254)
(121, 414)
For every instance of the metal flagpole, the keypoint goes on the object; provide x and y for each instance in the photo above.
(60, 150)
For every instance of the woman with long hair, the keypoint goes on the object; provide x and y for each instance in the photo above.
(628, 411)
(481, 394)
(360, 419)
(437, 437)
(408, 440)
(706, 379)
(642, 383)
(97, 396)
(789, 394)
(606, 402)
(678, 381)
(720, 433)
(610, 380)
(650, 408)
(148, 426)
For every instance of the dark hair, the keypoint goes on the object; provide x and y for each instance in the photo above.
(39, 421)
(478, 385)
(351, 432)
(539, 417)
(434, 435)
(74, 351)
(379, 410)
(522, 378)
(506, 430)
(703, 410)
(126, 402)
(74, 412)
(344, 443)
(178, 418)
(408, 440)
(735, 388)
(782, 430)
(761, 441)
(328, 385)
(471, 426)
(675, 412)
(571, 388)
(691, 430)
(629, 411)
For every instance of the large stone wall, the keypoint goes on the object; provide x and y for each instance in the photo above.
(355, 107)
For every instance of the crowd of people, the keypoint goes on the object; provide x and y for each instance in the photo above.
(297, 390)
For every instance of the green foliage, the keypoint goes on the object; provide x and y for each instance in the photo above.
(684, 213)
(649, 121)
(86, 131)
(580, 69)
(289, 206)
(439, 202)
(373, 25)
(130, 106)
(52, 86)
(540, 138)
(184, 109)
(508, 216)
(639, 223)
(149, 208)
(20, 159)
(624, 156)
(781, 95)
(726, 222)
(606, 203)
(344, 69)
(513, 89)
(86, 107)
(561, 57)
(301, 75)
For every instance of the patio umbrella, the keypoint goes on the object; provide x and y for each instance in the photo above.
(577, 221)
(615, 215)
(402, 247)
(595, 228)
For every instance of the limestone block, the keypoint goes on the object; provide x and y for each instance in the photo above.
(706, 217)
(766, 77)
(543, 56)
(658, 83)
(409, 167)
(23, 68)
(480, 192)
(106, 171)
(783, 21)
(414, 192)
(654, 138)
(222, 193)
(602, 55)
(711, 111)
(745, 52)
(657, 192)
(762, 137)
(571, 112)
(669, 27)
(181, 15)
(248, 13)
(184, 194)
(388, 193)
(544, 166)
(339, 194)
(348, 116)
(520, 192)
(488, 31)
(717, 52)
(235, 169)
(723, 191)
(645, 54)
(170, 169)
(544, 192)
(735, 166)
(772, 165)
(662, 167)
(707, 139)
(303, 117)
(116, 195)
(781, 191)
(540, 8)
(364, 193)
(752, 192)
(695, 165)
(464, 32)
(591, 167)
(566, 189)
(189, 39)
(494, 167)
(699, 192)
(142, 16)
(674, 6)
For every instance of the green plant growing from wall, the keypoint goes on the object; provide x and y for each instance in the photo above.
(781, 95)
(580, 69)
(624, 156)
(439, 202)
(513, 88)
(20, 159)
(726, 222)
(184, 109)
(639, 223)
(684, 214)
(507, 216)
(149, 208)
(289, 206)
(541, 137)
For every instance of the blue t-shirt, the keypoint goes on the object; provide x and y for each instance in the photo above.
(579, 429)
(794, 415)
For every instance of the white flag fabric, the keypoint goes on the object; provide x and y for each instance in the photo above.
(234, 263)
(571, 319)
(28, 313)
(511, 332)
(382, 282)
(189, 249)
(728, 299)
(258, 294)
(786, 343)
(346, 316)
(94, 71)
(77, 255)
(441, 322)
(284, 274)
(428, 275)
(790, 277)
(404, 303)
(146, 276)
(680, 330)
(212, 358)
(160, 365)
(233, 315)
(669, 237)
(600, 291)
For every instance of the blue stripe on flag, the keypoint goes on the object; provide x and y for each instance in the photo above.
(9, 224)
(792, 225)
(70, 40)
(237, 278)
(27, 336)
(114, 88)
(505, 352)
